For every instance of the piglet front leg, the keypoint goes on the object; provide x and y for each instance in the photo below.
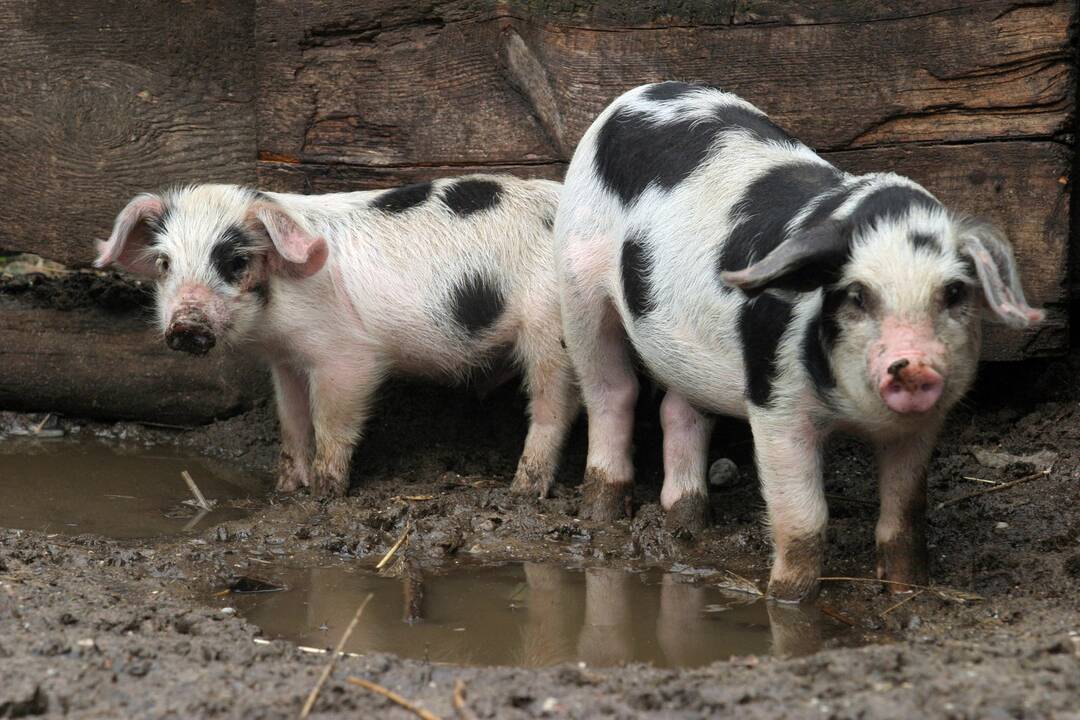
(789, 459)
(294, 416)
(901, 528)
(341, 395)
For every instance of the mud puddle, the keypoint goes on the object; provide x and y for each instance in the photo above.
(534, 615)
(75, 487)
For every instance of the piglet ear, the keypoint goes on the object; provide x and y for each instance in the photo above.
(131, 236)
(995, 265)
(300, 252)
(805, 261)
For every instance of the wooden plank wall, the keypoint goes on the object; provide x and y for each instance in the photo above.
(104, 98)
(972, 98)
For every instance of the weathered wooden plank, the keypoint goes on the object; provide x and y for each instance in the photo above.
(104, 98)
(1023, 187)
(393, 84)
(92, 363)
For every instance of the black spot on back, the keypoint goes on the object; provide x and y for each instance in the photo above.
(820, 339)
(889, 201)
(401, 199)
(769, 204)
(633, 151)
(230, 255)
(466, 197)
(669, 90)
(476, 303)
(762, 322)
(924, 240)
(636, 273)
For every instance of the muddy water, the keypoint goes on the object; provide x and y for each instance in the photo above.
(73, 487)
(532, 615)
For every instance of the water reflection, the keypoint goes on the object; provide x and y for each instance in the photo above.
(534, 615)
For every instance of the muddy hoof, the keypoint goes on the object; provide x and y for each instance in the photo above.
(531, 480)
(329, 486)
(604, 501)
(689, 516)
(291, 475)
(793, 588)
(903, 564)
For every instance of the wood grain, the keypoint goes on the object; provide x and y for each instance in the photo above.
(92, 363)
(472, 83)
(102, 99)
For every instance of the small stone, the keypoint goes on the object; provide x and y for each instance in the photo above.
(228, 611)
(1001, 525)
(914, 623)
(723, 473)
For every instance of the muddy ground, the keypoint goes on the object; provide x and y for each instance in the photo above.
(97, 628)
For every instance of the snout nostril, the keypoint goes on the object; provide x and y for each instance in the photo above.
(898, 366)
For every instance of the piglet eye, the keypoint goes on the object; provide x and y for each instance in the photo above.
(857, 295)
(162, 264)
(955, 292)
(238, 264)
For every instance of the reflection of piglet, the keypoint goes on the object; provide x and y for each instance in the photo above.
(337, 291)
(752, 278)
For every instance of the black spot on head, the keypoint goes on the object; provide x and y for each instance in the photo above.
(924, 240)
(820, 339)
(476, 303)
(633, 151)
(158, 223)
(828, 204)
(548, 219)
(669, 90)
(768, 205)
(636, 273)
(231, 254)
(466, 197)
(762, 323)
(889, 201)
(401, 199)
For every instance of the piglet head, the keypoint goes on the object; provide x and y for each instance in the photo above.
(214, 252)
(903, 286)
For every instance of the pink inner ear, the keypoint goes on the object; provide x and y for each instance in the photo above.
(304, 254)
(128, 240)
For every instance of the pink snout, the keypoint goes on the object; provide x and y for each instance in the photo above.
(911, 386)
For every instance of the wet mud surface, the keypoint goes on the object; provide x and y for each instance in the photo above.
(102, 627)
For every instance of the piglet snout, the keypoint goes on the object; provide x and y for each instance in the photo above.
(190, 333)
(911, 386)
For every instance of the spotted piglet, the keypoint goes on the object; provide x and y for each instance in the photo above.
(338, 291)
(754, 279)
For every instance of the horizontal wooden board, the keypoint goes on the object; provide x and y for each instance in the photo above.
(394, 84)
(102, 99)
(91, 363)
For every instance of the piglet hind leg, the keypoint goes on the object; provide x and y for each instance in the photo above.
(553, 405)
(901, 529)
(685, 497)
(341, 397)
(598, 345)
(294, 417)
(789, 460)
